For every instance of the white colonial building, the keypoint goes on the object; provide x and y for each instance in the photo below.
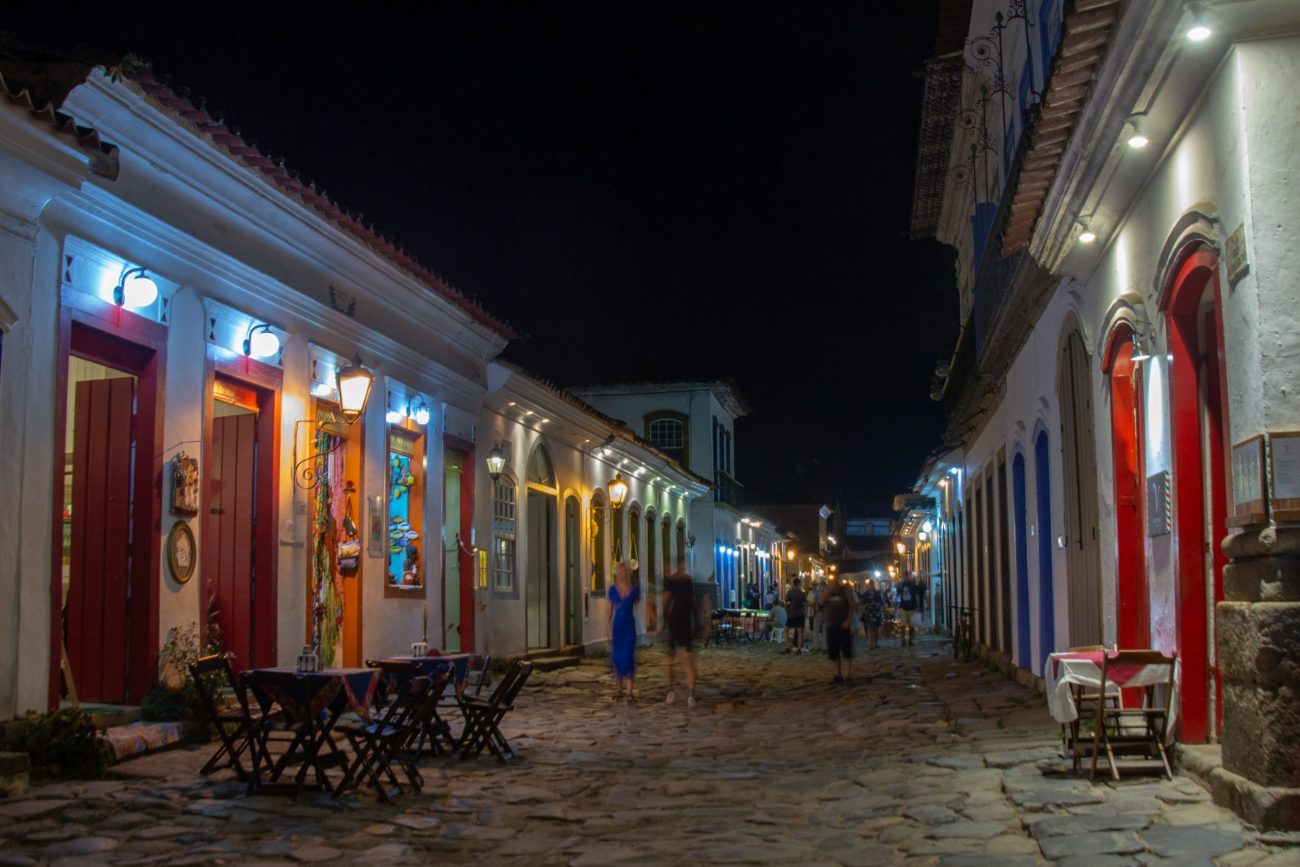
(1118, 180)
(180, 444)
(578, 492)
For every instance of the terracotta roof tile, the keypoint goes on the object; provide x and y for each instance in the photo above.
(104, 156)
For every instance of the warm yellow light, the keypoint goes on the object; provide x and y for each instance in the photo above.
(354, 383)
(900, 548)
(617, 491)
(789, 555)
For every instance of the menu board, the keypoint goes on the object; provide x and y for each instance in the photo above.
(1248, 504)
(1284, 477)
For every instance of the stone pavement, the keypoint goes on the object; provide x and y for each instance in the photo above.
(920, 760)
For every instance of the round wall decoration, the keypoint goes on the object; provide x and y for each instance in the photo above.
(181, 551)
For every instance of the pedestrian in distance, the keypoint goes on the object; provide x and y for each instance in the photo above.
(911, 610)
(819, 615)
(679, 612)
(623, 596)
(837, 605)
(795, 607)
(873, 613)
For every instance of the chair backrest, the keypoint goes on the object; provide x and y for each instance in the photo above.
(1142, 657)
(506, 683)
(521, 677)
(485, 667)
(410, 700)
(211, 674)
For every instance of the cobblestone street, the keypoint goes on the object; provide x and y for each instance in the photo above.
(918, 760)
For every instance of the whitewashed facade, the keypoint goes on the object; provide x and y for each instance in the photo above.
(547, 526)
(231, 241)
(1102, 488)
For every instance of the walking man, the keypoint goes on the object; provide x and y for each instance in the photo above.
(679, 611)
(911, 608)
(795, 602)
(837, 604)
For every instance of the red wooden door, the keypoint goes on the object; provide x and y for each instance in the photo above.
(97, 627)
(228, 533)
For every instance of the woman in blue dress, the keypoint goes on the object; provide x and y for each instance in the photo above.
(623, 597)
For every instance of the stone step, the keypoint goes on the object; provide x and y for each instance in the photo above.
(550, 663)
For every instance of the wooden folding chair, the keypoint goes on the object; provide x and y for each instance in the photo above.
(379, 745)
(1140, 730)
(1085, 703)
(483, 716)
(213, 676)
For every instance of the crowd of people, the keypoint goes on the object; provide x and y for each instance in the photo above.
(829, 613)
(824, 617)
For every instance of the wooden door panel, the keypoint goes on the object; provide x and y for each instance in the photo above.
(97, 610)
(230, 528)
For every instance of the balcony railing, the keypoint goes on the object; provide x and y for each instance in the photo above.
(728, 490)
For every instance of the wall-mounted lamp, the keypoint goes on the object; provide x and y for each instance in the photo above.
(261, 341)
(496, 463)
(1087, 235)
(135, 288)
(789, 555)
(618, 490)
(900, 548)
(322, 389)
(1136, 139)
(353, 381)
(420, 412)
(1200, 29)
(1139, 352)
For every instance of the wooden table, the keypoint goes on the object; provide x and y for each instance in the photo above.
(309, 704)
(400, 669)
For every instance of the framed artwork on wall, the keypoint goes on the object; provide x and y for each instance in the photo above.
(182, 552)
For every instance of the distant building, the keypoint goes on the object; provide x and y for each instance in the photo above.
(694, 422)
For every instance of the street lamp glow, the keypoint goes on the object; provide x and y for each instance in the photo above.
(900, 548)
(618, 489)
(354, 383)
(496, 463)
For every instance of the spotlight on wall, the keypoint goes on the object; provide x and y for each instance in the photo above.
(420, 412)
(1087, 235)
(1136, 139)
(1139, 352)
(1200, 29)
(261, 341)
(135, 288)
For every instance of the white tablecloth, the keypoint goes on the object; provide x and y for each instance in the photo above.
(1067, 668)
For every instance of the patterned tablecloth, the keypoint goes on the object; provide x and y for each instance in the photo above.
(334, 689)
(456, 664)
(1083, 668)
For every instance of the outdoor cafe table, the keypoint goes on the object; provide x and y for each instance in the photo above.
(1070, 669)
(314, 700)
(455, 665)
(746, 620)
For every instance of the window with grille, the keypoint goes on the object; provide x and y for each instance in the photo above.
(503, 532)
(668, 434)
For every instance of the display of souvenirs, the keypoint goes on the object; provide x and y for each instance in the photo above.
(185, 485)
(403, 552)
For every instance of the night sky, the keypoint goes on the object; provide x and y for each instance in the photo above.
(646, 191)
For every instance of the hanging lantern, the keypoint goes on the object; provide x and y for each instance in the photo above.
(496, 462)
(617, 491)
(354, 383)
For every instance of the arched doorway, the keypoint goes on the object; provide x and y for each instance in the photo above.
(1198, 421)
(541, 590)
(1079, 489)
(1124, 379)
(1019, 502)
(1043, 498)
(572, 571)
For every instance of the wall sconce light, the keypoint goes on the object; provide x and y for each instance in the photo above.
(1087, 235)
(322, 389)
(354, 382)
(420, 412)
(900, 548)
(1200, 29)
(618, 490)
(261, 341)
(496, 463)
(1139, 352)
(135, 288)
(789, 555)
(1136, 139)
